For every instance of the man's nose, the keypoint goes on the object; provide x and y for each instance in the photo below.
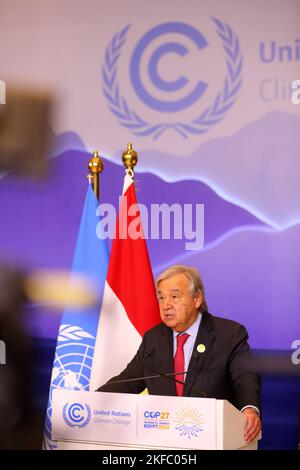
(168, 304)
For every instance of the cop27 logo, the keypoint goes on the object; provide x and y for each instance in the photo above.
(161, 34)
(76, 415)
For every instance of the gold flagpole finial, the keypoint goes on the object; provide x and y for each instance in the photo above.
(95, 168)
(130, 158)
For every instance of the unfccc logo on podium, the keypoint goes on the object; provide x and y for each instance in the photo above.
(76, 415)
(170, 95)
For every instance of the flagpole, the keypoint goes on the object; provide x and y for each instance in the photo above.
(130, 158)
(95, 168)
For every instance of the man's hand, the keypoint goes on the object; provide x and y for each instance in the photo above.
(253, 425)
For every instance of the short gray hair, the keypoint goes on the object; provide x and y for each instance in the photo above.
(193, 276)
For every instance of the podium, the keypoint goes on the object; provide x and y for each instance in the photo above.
(100, 420)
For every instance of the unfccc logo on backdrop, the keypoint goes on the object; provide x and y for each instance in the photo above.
(76, 415)
(169, 96)
(170, 87)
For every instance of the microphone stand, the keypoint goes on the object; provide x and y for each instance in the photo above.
(169, 375)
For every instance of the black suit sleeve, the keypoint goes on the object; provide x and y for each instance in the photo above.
(134, 370)
(244, 378)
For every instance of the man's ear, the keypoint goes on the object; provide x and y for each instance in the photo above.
(198, 300)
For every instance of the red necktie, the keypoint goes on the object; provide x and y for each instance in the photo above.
(179, 362)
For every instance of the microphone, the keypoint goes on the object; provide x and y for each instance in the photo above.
(195, 356)
(169, 375)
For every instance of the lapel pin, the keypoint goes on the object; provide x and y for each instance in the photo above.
(201, 348)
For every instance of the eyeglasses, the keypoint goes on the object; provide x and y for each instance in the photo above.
(172, 298)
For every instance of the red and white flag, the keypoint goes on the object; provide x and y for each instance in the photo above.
(129, 306)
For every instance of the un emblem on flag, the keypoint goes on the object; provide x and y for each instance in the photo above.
(71, 370)
(73, 359)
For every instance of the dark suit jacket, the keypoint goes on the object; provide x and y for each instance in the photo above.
(225, 370)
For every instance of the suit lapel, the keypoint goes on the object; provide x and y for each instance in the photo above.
(205, 337)
(166, 363)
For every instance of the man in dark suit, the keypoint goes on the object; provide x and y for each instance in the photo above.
(212, 350)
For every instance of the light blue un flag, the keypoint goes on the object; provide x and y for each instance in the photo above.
(77, 333)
